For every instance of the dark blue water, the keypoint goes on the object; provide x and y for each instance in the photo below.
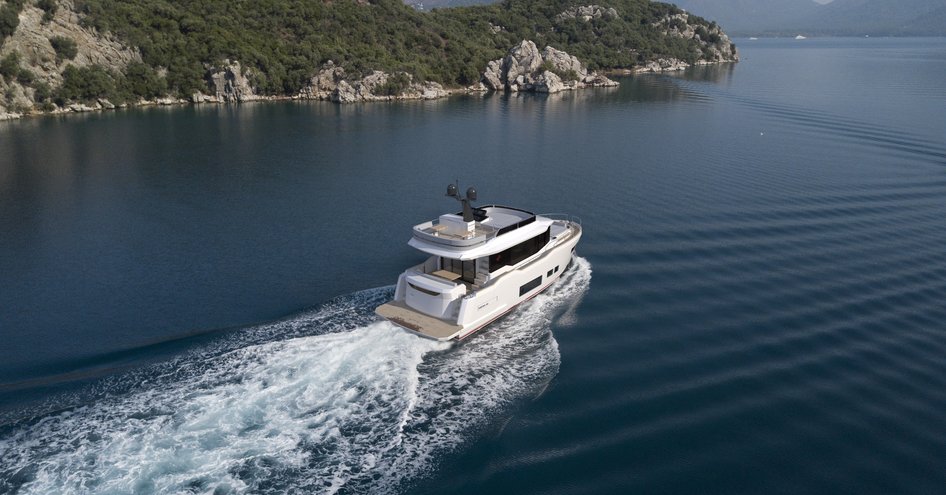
(186, 294)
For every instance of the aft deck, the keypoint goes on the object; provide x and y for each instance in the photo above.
(405, 316)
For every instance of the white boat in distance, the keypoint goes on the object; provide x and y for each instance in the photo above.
(483, 263)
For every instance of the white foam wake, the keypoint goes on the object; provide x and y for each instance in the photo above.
(365, 410)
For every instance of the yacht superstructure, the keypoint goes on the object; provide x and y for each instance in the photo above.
(483, 263)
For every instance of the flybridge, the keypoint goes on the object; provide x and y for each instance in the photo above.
(489, 222)
(471, 226)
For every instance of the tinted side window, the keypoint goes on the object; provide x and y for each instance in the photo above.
(523, 290)
(520, 251)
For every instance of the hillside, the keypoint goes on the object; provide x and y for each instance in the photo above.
(60, 54)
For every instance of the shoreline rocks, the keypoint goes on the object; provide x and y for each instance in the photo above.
(662, 65)
(229, 84)
(331, 83)
(524, 68)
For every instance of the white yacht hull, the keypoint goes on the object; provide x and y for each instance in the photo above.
(482, 306)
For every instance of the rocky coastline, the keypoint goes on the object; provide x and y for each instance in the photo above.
(524, 68)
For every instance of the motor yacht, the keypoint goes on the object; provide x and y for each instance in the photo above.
(482, 262)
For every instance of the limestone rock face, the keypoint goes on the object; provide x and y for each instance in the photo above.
(332, 83)
(432, 90)
(564, 62)
(596, 80)
(548, 82)
(372, 82)
(228, 83)
(344, 93)
(200, 97)
(19, 96)
(716, 45)
(587, 13)
(492, 77)
(324, 83)
(663, 65)
(31, 41)
(81, 107)
(525, 68)
(5, 115)
(521, 61)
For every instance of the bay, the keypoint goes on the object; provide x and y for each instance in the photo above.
(758, 306)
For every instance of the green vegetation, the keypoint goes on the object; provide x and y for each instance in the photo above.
(285, 41)
(282, 43)
(86, 83)
(25, 77)
(395, 84)
(66, 48)
(42, 92)
(142, 81)
(9, 18)
(10, 66)
(95, 82)
(49, 8)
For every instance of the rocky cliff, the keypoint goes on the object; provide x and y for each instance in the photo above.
(332, 83)
(39, 67)
(525, 68)
(715, 45)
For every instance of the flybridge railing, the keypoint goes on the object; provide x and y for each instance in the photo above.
(563, 217)
(432, 231)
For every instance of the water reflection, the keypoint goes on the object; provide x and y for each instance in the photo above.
(149, 208)
(717, 73)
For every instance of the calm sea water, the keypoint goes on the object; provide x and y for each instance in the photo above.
(759, 305)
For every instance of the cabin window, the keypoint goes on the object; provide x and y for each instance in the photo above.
(465, 269)
(452, 265)
(529, 286)
(549, 274)
(556, 269)
(519, 252)
(469, 271)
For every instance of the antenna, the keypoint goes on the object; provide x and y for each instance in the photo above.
(453, 191)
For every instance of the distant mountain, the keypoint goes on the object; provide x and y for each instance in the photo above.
(791, 17)
(837, 18)
(932, 23)
(751, 16)
(877, 18)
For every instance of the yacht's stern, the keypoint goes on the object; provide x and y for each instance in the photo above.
(399, 313)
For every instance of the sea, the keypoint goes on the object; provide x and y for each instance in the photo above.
(757, 304)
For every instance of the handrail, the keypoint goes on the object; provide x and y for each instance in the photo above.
(562, 216)
(427, 232)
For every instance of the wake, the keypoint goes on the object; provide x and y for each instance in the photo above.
(360, 406)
